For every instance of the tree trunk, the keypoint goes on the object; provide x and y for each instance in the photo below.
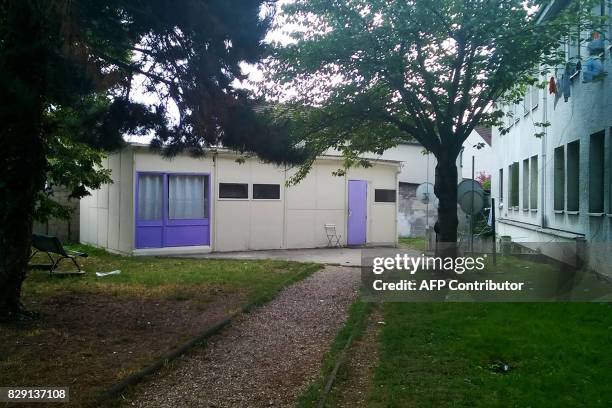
(445, 188)
(23, 70)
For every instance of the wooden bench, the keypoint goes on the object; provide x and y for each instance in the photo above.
(52, 245)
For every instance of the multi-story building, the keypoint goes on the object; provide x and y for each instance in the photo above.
(553, 183)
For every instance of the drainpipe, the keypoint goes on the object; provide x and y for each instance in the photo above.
(285, 210)
(133, 200)
(398, 170)
(213, 203)
(543, 163)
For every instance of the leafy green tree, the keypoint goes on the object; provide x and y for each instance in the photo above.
(69, 73)
(71, 164)
(374, 73)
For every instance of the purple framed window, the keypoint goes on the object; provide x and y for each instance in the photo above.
(172, 209)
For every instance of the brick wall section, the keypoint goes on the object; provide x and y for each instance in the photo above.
(65, 230)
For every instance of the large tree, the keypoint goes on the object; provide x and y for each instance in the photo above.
(74, 75)
(375, 73)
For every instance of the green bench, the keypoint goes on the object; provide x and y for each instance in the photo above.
(56, 253)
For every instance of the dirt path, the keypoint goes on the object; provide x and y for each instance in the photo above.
(267, 357)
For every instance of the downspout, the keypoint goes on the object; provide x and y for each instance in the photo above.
(134, 210)
(543, 163)
(398, 169)
(285, 210)
(213, 201)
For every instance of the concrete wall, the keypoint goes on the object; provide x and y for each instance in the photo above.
(65, 230)
(294, 221)
(588, 110)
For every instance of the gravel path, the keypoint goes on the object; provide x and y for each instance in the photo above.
(265, 358)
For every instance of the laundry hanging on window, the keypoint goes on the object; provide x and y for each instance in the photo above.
(597, 44)
(566, 82)
(593, 69)
(558, 93)
(552, 86)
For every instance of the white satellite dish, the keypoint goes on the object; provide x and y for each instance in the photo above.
(425, 193)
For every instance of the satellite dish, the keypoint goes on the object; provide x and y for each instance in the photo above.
(469, 185)
(425, 193)
(471, 202)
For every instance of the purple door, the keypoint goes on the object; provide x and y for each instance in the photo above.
(357, 212)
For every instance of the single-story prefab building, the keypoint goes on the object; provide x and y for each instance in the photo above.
(188, 205)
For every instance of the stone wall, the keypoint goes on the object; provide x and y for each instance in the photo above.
(65, 230)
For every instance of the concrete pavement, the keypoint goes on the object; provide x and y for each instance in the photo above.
(329, 256)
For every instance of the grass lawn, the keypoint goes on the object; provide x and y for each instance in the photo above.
(417, 243)
(172, 278)
(94, 331)
(452, 354)
(477, 354)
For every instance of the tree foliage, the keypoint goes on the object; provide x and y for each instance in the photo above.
(78, 75)
(375, 73)
(424, 69)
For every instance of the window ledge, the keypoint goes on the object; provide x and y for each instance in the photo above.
(609, 215)
(537, 228)
(558, 211)
(534, 210)
(572, 212)
(595, 214)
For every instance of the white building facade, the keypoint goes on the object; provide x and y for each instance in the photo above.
(192, 205)
(554, 184)
(478, 146)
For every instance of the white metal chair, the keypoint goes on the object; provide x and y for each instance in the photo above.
(333, 239)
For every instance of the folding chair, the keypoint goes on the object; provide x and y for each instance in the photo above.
(333, 239)
(52, 245)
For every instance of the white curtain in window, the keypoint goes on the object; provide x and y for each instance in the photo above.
(187, 197)
(150, 197)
